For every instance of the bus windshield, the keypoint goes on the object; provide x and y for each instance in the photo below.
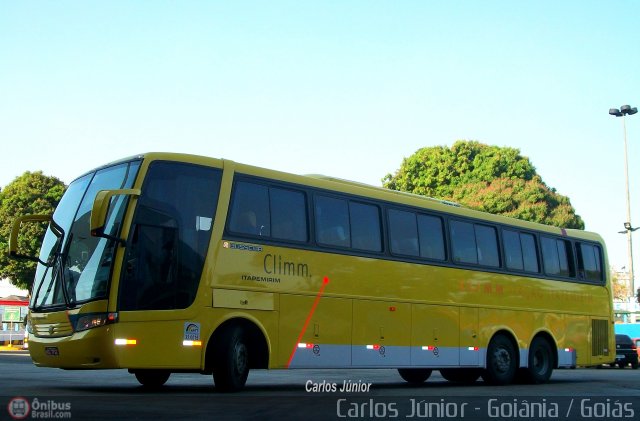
(74, 266)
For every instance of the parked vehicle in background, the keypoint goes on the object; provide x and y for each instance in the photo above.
(626, 352)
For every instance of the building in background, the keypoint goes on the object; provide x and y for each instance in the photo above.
(625, 304)
(14, 305)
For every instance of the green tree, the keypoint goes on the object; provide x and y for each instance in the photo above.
(31, 193)
(489, 178)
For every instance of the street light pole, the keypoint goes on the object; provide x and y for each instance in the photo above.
(623, 112)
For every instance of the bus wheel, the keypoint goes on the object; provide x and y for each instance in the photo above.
(502, 362)
(231, 360)
(461, 375)
(415, 375)
(541, 361)
(152, 378)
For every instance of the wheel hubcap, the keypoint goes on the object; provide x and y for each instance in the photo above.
(540, 361)
(241, 358)
(502, 360)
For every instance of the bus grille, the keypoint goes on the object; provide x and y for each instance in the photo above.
(599, 337)
(52, 330)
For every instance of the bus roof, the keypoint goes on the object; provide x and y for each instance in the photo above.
(367, 191)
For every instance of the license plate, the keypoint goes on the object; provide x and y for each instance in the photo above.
(52, 351)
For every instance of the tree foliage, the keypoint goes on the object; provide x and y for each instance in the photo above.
(488, 178)
(31, 193)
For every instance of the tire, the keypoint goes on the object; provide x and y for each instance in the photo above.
(152, 378)
(415, 376)
(502, 362)
(634, 365)
(541, 362)
(231, 360)
(461, 375)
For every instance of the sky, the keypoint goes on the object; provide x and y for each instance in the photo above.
(343, 88)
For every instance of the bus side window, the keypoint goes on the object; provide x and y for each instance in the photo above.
(288, 214)
(463, 242)
(332, 221)
(430, 233)
(365, 227)
(250, 210)
(403, 232)
(512, 250)
(529, 253)
(557, 257)
(589, 266)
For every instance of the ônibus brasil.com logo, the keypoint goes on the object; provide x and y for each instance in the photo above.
(20, 408)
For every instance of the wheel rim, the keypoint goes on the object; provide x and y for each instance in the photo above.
(241, 358)
(502, 360)
(540, 361)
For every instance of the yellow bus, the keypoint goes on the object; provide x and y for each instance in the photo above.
(165, 263)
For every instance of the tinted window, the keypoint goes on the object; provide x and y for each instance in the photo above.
(624, 340)
(550, 256)
(487, 243)
(474, 243)
(556, 256)
(520, 251)
(332, 221)
(563, 258)
(431, 237)
(463, 242)
(365, 227)
(512, 250)
(169, 237)
(288, 215)
(268, 212)
(403, 233)
(589, 262)
(250, 210)
(529, 252)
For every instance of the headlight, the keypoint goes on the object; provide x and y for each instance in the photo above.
(87, 321)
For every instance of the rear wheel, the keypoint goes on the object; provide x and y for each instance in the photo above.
(461, 375)
(502, 361)
(415, 375)
(152, 378)
(231, 360)
(634, 365)
(541, 361)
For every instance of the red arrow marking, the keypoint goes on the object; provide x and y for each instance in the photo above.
(325, 281)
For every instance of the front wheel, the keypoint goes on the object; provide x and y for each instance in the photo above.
(415, 376)
(502, 362)
(152, 378)
(541, 361)
(231, 360)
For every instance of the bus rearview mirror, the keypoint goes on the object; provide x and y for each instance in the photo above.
(15, 230)
(100, 210)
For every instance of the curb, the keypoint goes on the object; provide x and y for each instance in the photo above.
(12, 349)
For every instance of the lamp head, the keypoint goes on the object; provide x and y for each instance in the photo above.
(627, 110)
